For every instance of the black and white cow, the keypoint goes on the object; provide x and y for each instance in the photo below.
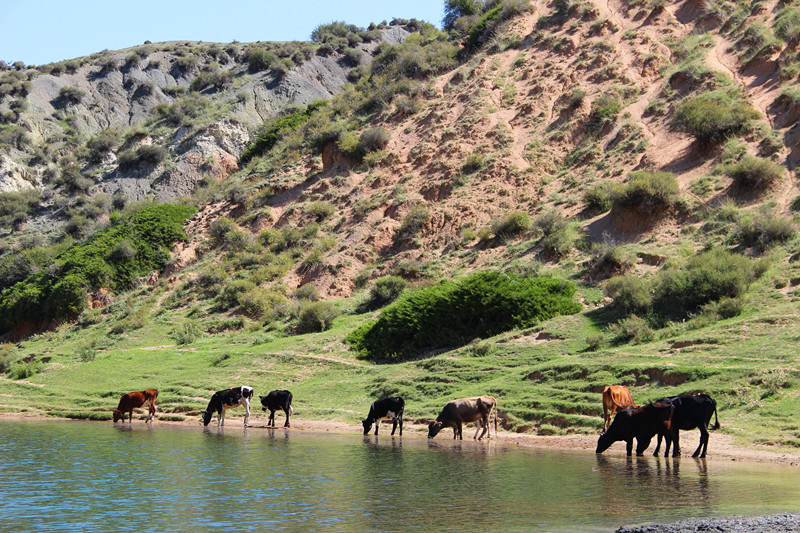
(277, 399)
(226, 399)
(385, 409)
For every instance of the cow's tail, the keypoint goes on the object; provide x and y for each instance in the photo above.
(291, 411)
(716, 420)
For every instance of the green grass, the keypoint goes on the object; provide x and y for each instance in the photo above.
(551, 380)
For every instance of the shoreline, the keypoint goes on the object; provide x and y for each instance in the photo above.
(720, 447)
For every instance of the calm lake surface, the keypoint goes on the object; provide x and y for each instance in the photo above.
(93, 476)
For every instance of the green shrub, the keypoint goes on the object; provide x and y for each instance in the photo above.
(714, 116)
(373, 139)
(186, 333)
(648, 193)
(707, 277)
(512, 224)
(455, 312)
(316, 316)
(787, 23)
(86, 351)
(473, 163)
(233, 291)
(629, 293)
(101, 144)
(307, 292)
(633, 329)
(70, 95)
(754, 173)
(274, 130)
(60, 292)
(604, 111)
(762, 230)
(607, 259)
(260, 303)
(600, 198)
(216, 80)
(22, 370)
(320, 210)
(413, 223)
(385, 290)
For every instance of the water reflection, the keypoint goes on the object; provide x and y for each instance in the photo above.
(257, 478)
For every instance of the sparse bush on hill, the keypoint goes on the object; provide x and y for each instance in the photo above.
(604, 111)
(762, 229)
(216, 80)
(714, 116)
(600, 198)
(70, 95)
(316, 316)
(455, 312)
(413, 223)
(675, 293)
(511, 225)
(787, 23)
(385, 290)
(754, 173)
(274, 130)
(648, 193)
(101, 144)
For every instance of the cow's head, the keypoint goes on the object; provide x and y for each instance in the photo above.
(367, 423)
(434, 428)
(263, 402)
(206, 417)
(614, 432)
(604, 442)
(118, 415)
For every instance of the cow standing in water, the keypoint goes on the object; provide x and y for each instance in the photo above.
(385, 409)
(226, 399)
(456, 413)
(641, 424)
(277, 399)
(690, 412)
(135, 400)
(615, 398)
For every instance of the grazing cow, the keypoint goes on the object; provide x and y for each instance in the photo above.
(690, 412)
(135, 400)
(226, 399)
(615, 398)
(640, 423)
(277, 399)
(385, 409)
(458, 412)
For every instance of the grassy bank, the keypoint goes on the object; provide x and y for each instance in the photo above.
(546, 378)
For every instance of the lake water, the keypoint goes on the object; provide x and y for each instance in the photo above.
(93, 476)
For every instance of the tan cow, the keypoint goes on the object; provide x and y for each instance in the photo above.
(465, 410)
(135, 400)
(615, 398)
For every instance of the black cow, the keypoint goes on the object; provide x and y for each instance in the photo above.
(226, 399)
(277, 399)
(385, 409)
(640, 423)
(690, 412)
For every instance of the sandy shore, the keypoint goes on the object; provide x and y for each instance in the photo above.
(720, 447)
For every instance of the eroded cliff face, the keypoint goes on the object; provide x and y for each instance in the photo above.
(127, 90)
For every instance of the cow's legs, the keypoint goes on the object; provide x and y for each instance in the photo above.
(247, 416)
(271, 421)
(676, 443)
(703, 442)
(458, 430)
(629, 446)
(401, 424)
(377, 423)
(394, 425)
(477, 429)
(286, 412)
(658, 445)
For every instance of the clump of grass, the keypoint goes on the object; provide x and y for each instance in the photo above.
(648, 193)
(186, 333)
(714, 116)
(511, 225)
(754, 173)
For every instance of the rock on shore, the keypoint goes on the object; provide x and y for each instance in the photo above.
(731, 524)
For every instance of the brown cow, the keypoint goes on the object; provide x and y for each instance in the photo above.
(458, 412)
(615, 398)
(135, 400)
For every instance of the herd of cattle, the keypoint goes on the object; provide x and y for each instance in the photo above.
(663, 418)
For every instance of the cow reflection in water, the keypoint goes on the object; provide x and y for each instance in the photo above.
(653, 483)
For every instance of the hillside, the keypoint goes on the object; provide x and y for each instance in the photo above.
(644, 152)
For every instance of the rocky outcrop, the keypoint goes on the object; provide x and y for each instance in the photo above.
(14, 177)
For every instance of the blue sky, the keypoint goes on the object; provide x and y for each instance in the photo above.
(38, 32)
